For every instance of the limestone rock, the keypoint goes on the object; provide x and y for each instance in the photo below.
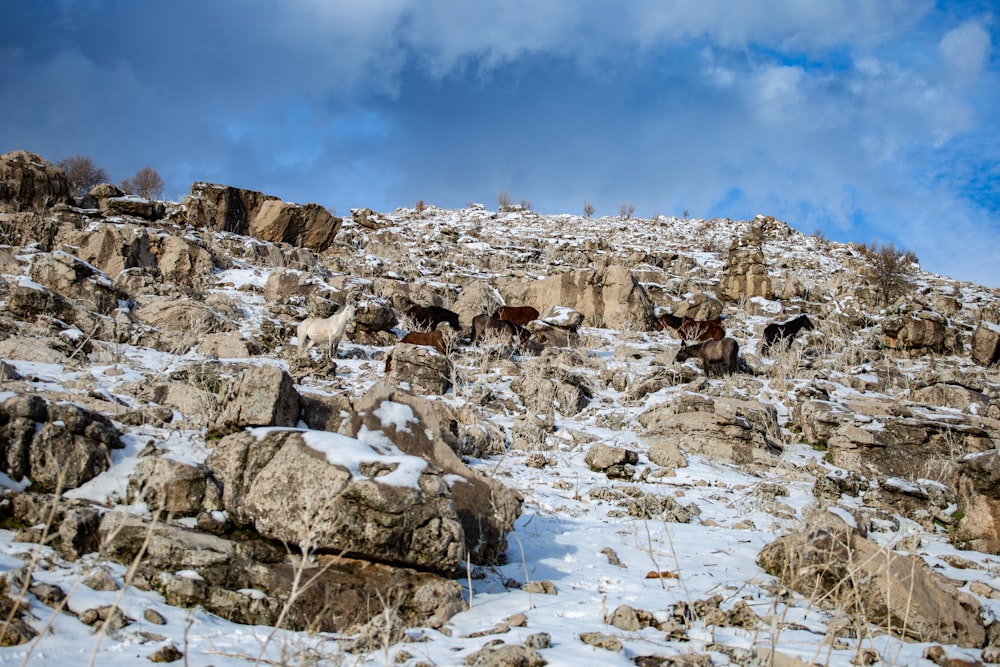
(424, 369)
(986, 344)
(391, 508)
(918, 332)
(899, 592)
(744, 275)
(28, 181)
(260, 396)
(73, 278)
(486, 508)
(223, 208)
(979, 500)
(178, 489)
(308, 225)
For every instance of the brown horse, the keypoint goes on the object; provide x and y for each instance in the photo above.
(433, 339)
(485, 324)
(517, 314)
(691, 329)
(428, 317)
(719, 357)
(783, 332)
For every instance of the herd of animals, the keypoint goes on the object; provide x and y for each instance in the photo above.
(700, 339)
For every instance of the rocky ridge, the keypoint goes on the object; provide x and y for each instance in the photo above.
(153, 397)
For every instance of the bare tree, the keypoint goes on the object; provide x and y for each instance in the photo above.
(503, 201)
(82, 173)
(146, 183)
(888, 270)
(626, 210)
(588, 209)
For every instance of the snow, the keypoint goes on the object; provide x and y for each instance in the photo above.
(567, 526)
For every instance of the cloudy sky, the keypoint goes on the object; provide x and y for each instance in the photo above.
(867, 120)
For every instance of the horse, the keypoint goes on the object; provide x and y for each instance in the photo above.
(428, 317)
(717, 356)
(517, 314)
(485, 324)
(433, 339)
(691, 329)
(327, 330)
(784, 332)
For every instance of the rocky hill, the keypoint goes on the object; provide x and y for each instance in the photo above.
(184, 480)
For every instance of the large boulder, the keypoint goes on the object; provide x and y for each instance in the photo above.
(744, 275)
(183, 262)
(181, 323)
(609, 296)
(259, 396)
(986, 344)
(223, 208)
(486, 508)
(836, 566)
(310, 225)
(979, 501)
(361, 498)
(918, 332)
(178, 489)
(249, 581)
(725, 429)
(28, 182)
(76, 279)
(58, 445)
(29, 301)
(422, 369)
(113, 248)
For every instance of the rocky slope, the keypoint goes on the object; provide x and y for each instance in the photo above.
(580, 498)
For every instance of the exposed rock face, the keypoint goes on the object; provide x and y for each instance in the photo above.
(979, 500)
(176, 488)
(408, 518)
(181, 322)
(724, 429)
(223, 208)
(28, 182)
(260, 396)
(744, 275)
(137, 207)
(610, 296)
(986, 344)
(424, 369)
(183, 263)
(310, 225)
(113, 248)
(918, 333)
(30, 301)
(58, 445)
(343, 593)
(699, 306)
(565, 393)
(76, 279)
(486, 508)
(841, 569)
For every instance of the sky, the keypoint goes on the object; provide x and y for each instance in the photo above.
(864, 120)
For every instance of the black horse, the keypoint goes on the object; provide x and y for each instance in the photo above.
(783, 332)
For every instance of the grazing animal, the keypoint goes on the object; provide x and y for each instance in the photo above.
(691, 329)
(428, 317)
(719, 357)
(326, 330)
(433, 339)
(485, 324)
(784, 332)
(517, 314)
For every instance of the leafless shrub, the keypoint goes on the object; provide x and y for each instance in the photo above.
(887, 270)
(588, 209)
(146, 183)
(503, 201)
(82, 173)
(626, 210)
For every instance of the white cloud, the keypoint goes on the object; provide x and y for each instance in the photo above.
(965, 50)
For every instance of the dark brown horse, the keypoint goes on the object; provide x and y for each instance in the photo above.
(691, 329)
(486, 324)
(433, 339)
(718, 357)
(517, 314)
(782, 333)
(428, 317)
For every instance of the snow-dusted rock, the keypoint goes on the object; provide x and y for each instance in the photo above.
(259, 396)
(986, 344)
(840, 569)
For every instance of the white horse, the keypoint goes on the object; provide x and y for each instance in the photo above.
(328, 330)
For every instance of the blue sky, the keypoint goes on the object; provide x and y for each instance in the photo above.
(864, 119)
